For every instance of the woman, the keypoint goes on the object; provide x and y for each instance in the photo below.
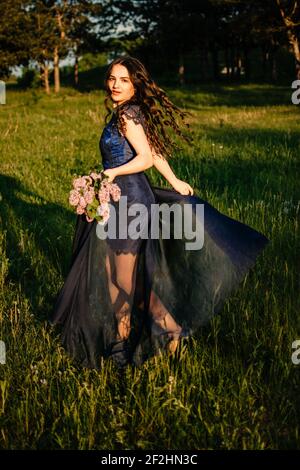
(134, 296)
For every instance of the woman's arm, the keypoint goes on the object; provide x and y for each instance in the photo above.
(164, 168)
(136, 136)
(145, 159)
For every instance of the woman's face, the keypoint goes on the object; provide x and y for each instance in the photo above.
(120, 85)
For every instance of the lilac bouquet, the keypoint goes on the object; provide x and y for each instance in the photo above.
(91, 196)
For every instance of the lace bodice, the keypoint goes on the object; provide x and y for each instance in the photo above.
(115, 149)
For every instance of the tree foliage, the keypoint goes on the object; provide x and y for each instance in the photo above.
(215, 32)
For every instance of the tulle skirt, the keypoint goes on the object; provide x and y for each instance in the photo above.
(169, 282)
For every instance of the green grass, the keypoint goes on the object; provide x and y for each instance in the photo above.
(235, 387)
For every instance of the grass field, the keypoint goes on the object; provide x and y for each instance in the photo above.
(236, 386)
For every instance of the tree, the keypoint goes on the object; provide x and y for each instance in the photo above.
(15, 35)
(290, 13)
(60, 28)
(45, 37)
(84, 18)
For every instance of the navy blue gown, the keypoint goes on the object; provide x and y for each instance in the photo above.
(172, 290)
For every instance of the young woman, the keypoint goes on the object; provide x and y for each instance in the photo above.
(130, 297)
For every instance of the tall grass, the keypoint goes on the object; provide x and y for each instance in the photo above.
(235, 386)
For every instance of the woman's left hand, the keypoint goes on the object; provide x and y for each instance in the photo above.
(110, 173)
(182, 187)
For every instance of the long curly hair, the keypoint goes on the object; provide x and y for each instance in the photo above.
(147, 95)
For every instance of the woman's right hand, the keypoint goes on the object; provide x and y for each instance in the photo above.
(110, 173)
(182, 187)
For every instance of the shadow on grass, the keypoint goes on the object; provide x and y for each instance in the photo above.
(235, 95)
(271, 167)
(31, 221)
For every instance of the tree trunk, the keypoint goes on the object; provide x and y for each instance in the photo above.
(44, 68)
(290, 25)
(238, 65)
(274, 71)
(274, 74)
(56, 70)
(296, 50)
(227, 62)
(215, 59)
(76, 71)
(203, 61)
(231, 63)
(247, 63)
(181, 70)
(59, 19)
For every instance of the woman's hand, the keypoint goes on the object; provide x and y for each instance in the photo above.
(182, 187)
(110, 173)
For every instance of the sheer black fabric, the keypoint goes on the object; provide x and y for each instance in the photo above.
(148, 289)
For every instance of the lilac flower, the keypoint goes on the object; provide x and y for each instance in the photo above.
(80, 210)
(115, 191)
(89, 195)
(103, 211)
(74, 197)
(103, 195)
(88, 199)
(79, 183)
(82, 202)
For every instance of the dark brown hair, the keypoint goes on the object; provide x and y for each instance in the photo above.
(147, 95)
